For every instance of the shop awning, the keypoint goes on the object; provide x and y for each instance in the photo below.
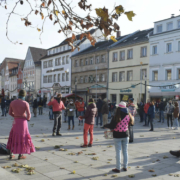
(71, 95)
(158, 94)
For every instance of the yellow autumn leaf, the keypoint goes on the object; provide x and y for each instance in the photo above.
(73, 172)
(42, 15)
(130, 14)
(102, 13)
(38, 29)
(56, 12)
(119, 9)
(113, 38)
(63, 12)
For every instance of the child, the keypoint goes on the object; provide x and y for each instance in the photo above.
(70, 113)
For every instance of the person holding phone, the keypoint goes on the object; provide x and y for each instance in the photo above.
(19, 141)
(57, 106)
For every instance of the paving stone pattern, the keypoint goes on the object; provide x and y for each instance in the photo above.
(150, 151)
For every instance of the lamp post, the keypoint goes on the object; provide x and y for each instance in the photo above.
(141, 80)
(75, 90)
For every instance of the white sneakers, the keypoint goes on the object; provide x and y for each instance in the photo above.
(176, 128)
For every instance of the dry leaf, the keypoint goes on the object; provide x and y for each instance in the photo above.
(56, 12)
(49, 2)
(77, 137)
(165, 157)
(170, 174)
(5, 167)
(39, 31)
(130, 14)
(63, 12)
(62, 168)
(75, 161)
(73, 172)
(151, 170)
(113, 38)
(131, 176)
(119, 9)
(43, 4)
(15, 165)
(23, 166)
(105, 174)
(42, 140)
(42, 17)
(57, 147)
(95, 158)
(114, 175)
(176, 175)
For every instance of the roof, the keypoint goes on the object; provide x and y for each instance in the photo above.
(22, 64)
(77, 37)
(134, 38)
(37, 53)
(12, 65)
(164, 32)
(166, 19)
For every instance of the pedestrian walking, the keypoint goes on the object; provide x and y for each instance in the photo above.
(110, 109)
(70, 113)
(3, 106)
(76, 104)
(19, 141)
(35, 106)
(176, 115)
(57, 106)
(146, 117)
(161, 106)
(40, 106)
(65, 111)
(169, 109)
(119, 124)
(89, 117)
(141, 110)
(80, 108)
(151, 114)
(105, 112)
(99, 105)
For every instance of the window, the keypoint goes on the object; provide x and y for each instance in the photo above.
(67, 76)
(82, 62)
(59, 77)
(122, 55)
(130, 54)
(75, 79)
(114, 56)
(63, 60)
(103, 58)
(45, 64)
(155, 75)
(143, 51)
(159, 28)
(54, 51)
(169, 26)
(91, 60)
(50, 79)
(154, 50)
(67, 59)
(76, 63)
(86, 62)
(178, 73)
(81, 80)
(50, 63)
(179, 46)
(121, 76)
(168, 74)
(114, 77)
(57, 61)
(143, 74)
(48, 53)
(54, 77)
(63, 77)
(59, 49)
(169, 47)
(102, 77)
(86, 79)
(97, 59)
(45, 79)
(64, 48)
(97, 78)
(179, 24)
(129, 75)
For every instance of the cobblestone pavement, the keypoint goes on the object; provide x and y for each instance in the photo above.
(150, 151)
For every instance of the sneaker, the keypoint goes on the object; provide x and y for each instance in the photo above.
(172, 128)
(124, 169)
(84, 146)
(116, 170)
(89, 145)
(53, 134)
(176, 128)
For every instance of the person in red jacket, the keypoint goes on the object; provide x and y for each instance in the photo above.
(80, 108)
(146, 107)
(57, 106)
(89, 117)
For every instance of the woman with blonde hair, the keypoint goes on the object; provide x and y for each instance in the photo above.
(19, 141)
(119, 124)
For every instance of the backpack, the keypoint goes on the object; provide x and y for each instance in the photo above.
(4, 150)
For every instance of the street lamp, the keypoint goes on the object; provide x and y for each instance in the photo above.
(141, 80)
(75, 89)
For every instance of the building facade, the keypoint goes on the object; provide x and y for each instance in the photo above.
(20, 76)
(129, 66)
(13, 82)
(165, 59)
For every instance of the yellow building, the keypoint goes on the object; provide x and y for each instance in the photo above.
(129, 66)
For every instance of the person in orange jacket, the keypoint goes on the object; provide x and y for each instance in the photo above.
(146, 107)
(80, 109)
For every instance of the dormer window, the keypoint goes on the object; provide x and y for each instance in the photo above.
(179, 24)
(159, 28)
(169, 26)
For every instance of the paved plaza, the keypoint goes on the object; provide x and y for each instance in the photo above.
(150, 151)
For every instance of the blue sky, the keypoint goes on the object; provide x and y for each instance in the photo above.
(147, 12)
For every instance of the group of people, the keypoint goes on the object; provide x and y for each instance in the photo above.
(5, 102)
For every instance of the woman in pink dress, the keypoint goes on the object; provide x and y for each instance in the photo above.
(19, 141)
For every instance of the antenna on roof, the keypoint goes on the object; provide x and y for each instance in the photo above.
(172, 15)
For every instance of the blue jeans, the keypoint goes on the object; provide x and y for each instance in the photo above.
(176, 122)
(51, 114)
(161, 115)
(69, 119)
(3, 111)
(81, 113)
(121, 142)
(145, 118)
(109, 115)
(97, 118)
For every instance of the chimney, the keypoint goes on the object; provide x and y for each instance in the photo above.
(118, 34)
(172, 15)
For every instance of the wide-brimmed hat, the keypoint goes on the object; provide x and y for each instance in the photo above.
(122, 104)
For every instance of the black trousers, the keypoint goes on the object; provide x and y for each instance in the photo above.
(57, 123)
(131, 134)
(40, 110)
(141, 116)
(151, 122)
(169, 117)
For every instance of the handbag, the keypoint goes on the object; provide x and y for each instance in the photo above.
(108, 134)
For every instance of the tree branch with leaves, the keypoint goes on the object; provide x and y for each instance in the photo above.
(70, 23)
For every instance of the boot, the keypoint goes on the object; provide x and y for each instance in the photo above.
(73, 128)
(175, 153)
(69, 127)
(53, 134)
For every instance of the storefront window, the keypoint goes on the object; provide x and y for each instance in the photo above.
(168, 74)
(113, 98)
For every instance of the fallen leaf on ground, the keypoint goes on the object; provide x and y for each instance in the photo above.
(137, 166)
(154, 175)
(5, 167)
(174, 137)
(131, 176)
(151, 170)
(157, 160)
(109, 159)
(61, 149)
(37, 148)
(105, 174)
(31, 172)
(95, 158)
(73, 172)
(84, 150)
(30, 168)
(56, 146)
(80, 153)
(170, 174)
(16, 170)
(108, 162)
(104, 150)
(75, 161)
(72, 154)
(114, 175)
(77, 137)
(46, 159)
(42, 140)
(37, 136)
(141, 135)
(62, 168)
(177, 175)
(165, 157)
(15, 165)
(23, 166)
(109, 146)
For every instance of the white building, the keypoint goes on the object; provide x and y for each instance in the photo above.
(56, 66)
(165, 59)
(13, 82)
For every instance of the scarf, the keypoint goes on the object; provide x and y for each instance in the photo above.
(22, 97)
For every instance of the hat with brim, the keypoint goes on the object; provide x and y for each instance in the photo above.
(122, 104)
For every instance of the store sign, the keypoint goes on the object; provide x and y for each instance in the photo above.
(168, 88)
(126, 90)
(98, 86)
(125, 98)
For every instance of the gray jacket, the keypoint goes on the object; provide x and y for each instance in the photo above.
(169, 109)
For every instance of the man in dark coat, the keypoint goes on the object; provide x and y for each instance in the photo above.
(3, 106)
(99, 105)
(35, 106)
